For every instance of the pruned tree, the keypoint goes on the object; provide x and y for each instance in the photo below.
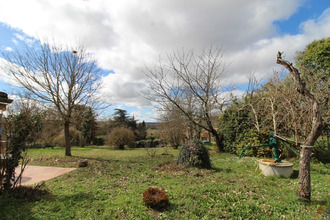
(56, 75)
(295, 111)
(193, 83)
(304, 191)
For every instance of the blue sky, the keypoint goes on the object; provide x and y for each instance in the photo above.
(126, 36)
(309, 10)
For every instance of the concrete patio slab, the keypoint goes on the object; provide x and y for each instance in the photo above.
(37, 174)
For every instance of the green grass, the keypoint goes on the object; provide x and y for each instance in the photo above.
(111, 187)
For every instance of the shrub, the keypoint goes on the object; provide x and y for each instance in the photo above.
(150, 143)
(19, 129)
(253, 138)
(99, 141)
(155, 198)
(119, 137)
(194, 154)
(76, 138)
(321, 150)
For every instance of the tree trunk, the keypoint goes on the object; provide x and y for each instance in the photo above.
(67, 138)
(217, 140)
(328, 141)
(304, 191)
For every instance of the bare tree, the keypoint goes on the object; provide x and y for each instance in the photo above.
(304, 191)
(252, 100)
(193, 84)
(172, 127)
(56, 75)
(295, 111)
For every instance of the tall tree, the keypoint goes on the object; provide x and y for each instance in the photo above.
(121, 119)
(314, 64)
(193, 83)
(304, 191)
(57, 75)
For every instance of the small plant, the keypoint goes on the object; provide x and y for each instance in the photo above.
(151, 151)
(155, 198)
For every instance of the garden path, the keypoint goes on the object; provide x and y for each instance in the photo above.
(37, 174)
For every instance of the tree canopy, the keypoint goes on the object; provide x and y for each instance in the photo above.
(57, 75)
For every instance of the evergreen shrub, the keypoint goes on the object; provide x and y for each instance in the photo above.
(194, 154)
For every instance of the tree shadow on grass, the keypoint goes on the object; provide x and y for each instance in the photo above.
(226, 170)
(12, 208)
(157, 213)
(17, 203)
(94, 159)
(100, 159)
(295, 174)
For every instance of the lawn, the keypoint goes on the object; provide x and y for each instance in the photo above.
(111, 187)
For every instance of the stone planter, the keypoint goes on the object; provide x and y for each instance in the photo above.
(270, 168)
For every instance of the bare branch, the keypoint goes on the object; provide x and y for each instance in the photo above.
(57, 76)
(192, 83)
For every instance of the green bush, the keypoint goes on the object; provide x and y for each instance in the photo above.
(253, 138)
(321, 150)
(232, 123)
(99, 141)
(150, 143)
(17, 135)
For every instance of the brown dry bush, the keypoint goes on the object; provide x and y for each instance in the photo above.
(155, 198)
(119, 137)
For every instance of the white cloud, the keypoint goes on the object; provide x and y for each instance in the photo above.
(260, 58)
(4, 76)
(317, 28)
(14, 41)
(127, 35)
(26, 40)
(8, 49)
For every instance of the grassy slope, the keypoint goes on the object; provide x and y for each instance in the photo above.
(113, 183)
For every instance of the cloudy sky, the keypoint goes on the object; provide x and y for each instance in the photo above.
(127, 35)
